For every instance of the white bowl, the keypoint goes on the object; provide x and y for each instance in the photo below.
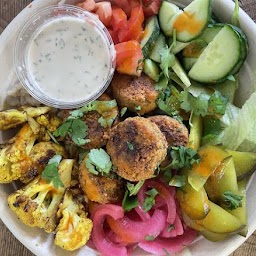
(41, 243)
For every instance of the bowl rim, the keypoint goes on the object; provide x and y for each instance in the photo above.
(9, 221)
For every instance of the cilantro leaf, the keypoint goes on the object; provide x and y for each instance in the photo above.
(217, 103)
(129, 202)
(233, 201)
(98, 161)
(199, 105)
(182, 157)
(149, 201)
(134, 188)
(168, 102)
(167, 59)
(51, 172)
(76, 129)
(203, 104)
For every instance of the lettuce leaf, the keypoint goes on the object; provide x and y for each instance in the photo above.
(241, 134)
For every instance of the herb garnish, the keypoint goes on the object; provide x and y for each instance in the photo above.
(150, 200)
(129, 202)
(182, 157)
(149, 238)
(203, 104)
(51, 172)
(98, 162)
(231, 200)
(134, 188)
(130, 145)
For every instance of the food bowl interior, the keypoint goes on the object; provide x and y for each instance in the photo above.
(41, 243)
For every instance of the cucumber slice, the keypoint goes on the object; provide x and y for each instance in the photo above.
(188, 62)
(219, 58)
(166, 12)
(244, 50)
(193, 20)
(150, 35)
(211, 32)
(178, 69)
(179, 46)
(194, 49)
(159, 44)
(151, 69)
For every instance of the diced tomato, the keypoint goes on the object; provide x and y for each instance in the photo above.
(104, 10)
(88, 5)
(134, 28)
(128, 58)
(114, 35)
(119, 18)
(152, 8)
(124, 5)
(147, 2)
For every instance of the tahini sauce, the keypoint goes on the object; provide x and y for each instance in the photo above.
(68, 59)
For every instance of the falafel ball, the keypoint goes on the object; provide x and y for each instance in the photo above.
(136, 93)
(100, 189)
(136, 147)
(175, 132)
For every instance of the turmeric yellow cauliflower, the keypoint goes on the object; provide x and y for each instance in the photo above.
(36, 204)
(75, 228)
(14, 117)
(14, 157)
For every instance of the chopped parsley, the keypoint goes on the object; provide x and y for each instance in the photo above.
(98, 162)
(51, 172)
(231, 200)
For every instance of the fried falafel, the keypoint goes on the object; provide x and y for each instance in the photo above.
(175, 132)
(136, 93)
(136, 147)
(100, 189)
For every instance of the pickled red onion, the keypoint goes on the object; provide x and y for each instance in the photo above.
(131, 231)
(160, 246)
(102, 242)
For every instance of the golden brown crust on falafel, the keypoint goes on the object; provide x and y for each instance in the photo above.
(101, 189)
(133, 92)
(175, 132)
(136, 147)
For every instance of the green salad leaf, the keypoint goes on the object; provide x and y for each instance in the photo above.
(240, 134)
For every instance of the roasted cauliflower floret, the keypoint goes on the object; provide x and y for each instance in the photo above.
(14, 117)
(40, 154)
(75, 228)
(36, 204)
(14, 157)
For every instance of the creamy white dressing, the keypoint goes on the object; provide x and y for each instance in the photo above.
(68, 59)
